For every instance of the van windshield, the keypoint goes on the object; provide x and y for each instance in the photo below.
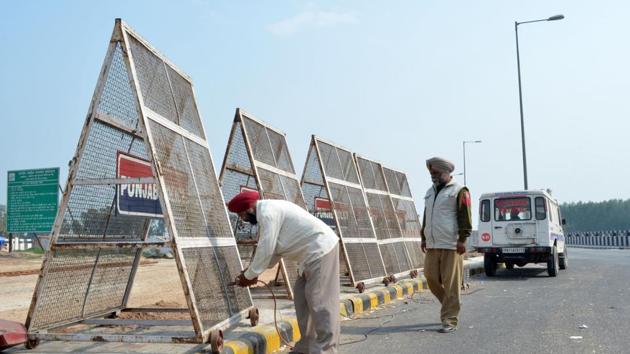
(512, 209)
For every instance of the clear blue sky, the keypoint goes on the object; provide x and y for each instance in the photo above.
(399, 82)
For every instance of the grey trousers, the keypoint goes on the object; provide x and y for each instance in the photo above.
(316, 299)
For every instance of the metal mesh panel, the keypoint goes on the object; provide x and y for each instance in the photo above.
(63, 292)
(349, 168)
(330, 161)
(392, 181)
(103, 143)
(415, 253)
(343, 210)
(238, 173)
(405, 191)
(91, 213)
(292, 191)
(118, 100)
(280, 151)
(407, 217)
(106, 289)
(378, 217)
(367, 173)
(360, 212)
(393, 259)
(211, 199)
(402, 256)
(347, 205)
(270, 185)
(185, 102)
(371, 174)
(210, 269)
(178, 181)
(154, 84)
(365, 260)
(259, 142)
(383, 217)
(237, 157)
(312, 169)
(359, 261)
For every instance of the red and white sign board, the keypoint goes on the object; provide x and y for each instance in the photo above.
(141, 199)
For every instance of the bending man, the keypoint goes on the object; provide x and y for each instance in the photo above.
(286, 230)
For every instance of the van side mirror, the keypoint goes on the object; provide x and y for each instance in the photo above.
(564, 221)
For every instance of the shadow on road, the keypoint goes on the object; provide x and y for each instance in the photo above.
(517, 274)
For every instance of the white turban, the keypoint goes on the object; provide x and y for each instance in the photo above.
(440, 164)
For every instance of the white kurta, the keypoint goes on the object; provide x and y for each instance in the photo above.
(288, 231)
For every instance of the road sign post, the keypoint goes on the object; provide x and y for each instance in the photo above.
(32, 200)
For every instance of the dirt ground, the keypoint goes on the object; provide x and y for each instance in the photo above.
(157, 284)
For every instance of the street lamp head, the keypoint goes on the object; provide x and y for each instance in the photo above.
(477, 141)
(555, 18)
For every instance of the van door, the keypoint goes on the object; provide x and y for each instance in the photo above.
(484, 232)
(544, 220)
(512, 222)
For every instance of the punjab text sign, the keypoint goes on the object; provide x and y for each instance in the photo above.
(136, 198)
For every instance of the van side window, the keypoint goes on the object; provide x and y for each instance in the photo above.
(541, 208)
(550, 212)
(484, 210)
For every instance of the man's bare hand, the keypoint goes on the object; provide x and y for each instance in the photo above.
(461, 247)
(244, 282)
(423, 246)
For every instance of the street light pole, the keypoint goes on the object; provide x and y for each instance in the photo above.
(464, 148)
(520, 91)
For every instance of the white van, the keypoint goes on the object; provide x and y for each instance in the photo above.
(520, 227)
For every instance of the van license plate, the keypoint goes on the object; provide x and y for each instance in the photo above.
(514, 250)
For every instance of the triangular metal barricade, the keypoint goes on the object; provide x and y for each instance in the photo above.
(384, 218)
(408, 218)
(257, 158)
(142, 155)
(333, 192)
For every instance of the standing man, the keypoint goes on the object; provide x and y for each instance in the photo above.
(286, 230)
(446, 225)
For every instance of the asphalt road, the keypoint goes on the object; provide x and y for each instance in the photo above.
(518, 311)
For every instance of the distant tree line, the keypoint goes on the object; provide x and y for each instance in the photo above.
(611, 214)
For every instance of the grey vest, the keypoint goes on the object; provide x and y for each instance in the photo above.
(441, 229)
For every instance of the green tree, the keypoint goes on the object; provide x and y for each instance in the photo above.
(611, 214)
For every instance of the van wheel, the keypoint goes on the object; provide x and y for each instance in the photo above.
(553, 262)
(509, 265)
(564, 259)
(490, 264)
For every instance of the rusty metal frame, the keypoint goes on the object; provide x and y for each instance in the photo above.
(314, 146)
(120, 36)
(391, 203)
(239, 122)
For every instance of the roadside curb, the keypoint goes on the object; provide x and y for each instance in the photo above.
(264, 339)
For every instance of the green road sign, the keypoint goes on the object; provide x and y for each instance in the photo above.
(32, 200)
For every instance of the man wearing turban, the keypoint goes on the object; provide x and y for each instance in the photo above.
(446, 225)
(286, 230)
